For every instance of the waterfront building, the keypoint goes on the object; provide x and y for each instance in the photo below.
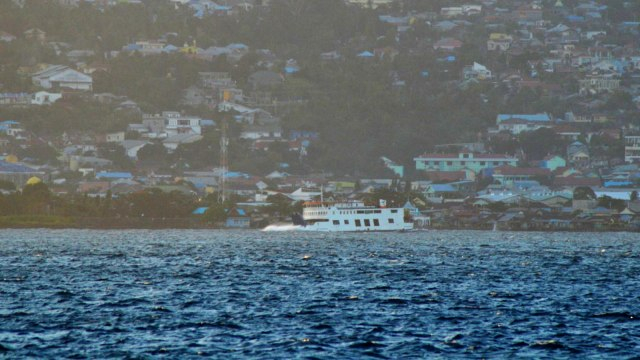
(462, 161)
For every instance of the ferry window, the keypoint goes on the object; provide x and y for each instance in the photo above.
(390, 221)
(358, 223)
(346, 222)
(336, 222)
(367, 222)
(376, 222)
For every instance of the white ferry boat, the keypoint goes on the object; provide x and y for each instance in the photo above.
(350, 216)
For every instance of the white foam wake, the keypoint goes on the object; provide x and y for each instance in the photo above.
(282, 227)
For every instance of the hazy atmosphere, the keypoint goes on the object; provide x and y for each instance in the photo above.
(299, 122)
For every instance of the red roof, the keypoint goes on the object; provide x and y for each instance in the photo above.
(576, 181)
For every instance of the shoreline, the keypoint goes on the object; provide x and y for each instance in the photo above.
(68, 223)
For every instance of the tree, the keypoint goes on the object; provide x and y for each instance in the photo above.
(153, 153)
(36, 197)
(584, 193)
(215, 213)
(7, 185)
(116, 153)
(539, 143)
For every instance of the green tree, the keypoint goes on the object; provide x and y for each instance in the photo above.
(584, 193)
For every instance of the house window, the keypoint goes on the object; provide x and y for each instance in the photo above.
(449, 163)
(391, 221)
(376, 222)
(483, 163)
(394, 211)
(346, 222)
(336, 222)
(367, 222)
(183, 122)
(358, 224)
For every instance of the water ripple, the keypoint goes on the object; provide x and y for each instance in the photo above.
(189, 294)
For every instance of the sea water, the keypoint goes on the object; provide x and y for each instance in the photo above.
(281, 295)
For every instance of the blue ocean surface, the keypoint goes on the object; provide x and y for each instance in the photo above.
(248, 294)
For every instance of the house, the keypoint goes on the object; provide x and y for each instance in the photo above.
(330, 56)
(115, 137)
(133, 146)
(517, 123)
(11, 128)
(499, 42)
(462, 161)
(111, 176)
(169, 123)
(452, 11)
(553, 162)
(17, 173)
(35, 34)
(372, 4)
(508, 175)
(597, 83)
(237, 219)
(60, 76)
(447, 44)
(258, 131)
(176, 123)
(443, 193)
(632, 148)
(45, 98)
(389, 164)
(172, 142)
(15, 99)
(264, 79)
(578, 154)
(476, 71)
(305, 194)
(6, 37)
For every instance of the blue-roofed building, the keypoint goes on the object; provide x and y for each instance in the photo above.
(542, 117)
(18, 173)
(235, 174)
(207, 123)
(238, 219)
(106, 175)
(170, 49)
(200, 210)
(575, 18)
(303, 134)
(366, 54)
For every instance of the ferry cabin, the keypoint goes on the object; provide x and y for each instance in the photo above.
(353, 217)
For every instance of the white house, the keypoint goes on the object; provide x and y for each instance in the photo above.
(261, 131)
(115, 137)
(476, 71)
(45, 98)
(133, 146)
(304, 194)
(172, 142)
(176, 123)
(60, 76)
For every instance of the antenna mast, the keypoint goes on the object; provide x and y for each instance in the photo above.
(224, 145)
